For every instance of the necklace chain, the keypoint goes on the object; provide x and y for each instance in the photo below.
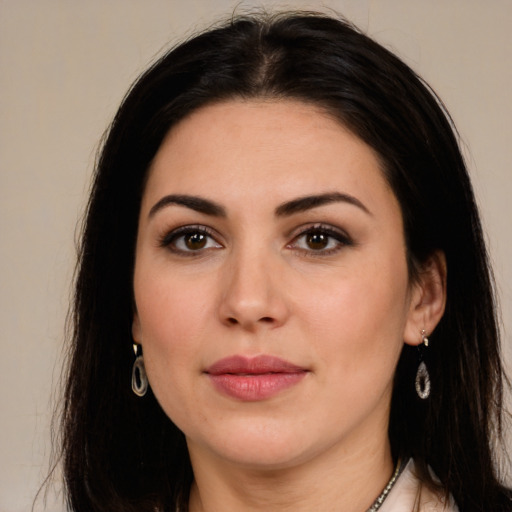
(383, 495)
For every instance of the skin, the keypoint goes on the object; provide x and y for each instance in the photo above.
(259, 285)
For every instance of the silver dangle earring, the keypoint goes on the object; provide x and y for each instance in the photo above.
(139, 378)
(422, 382)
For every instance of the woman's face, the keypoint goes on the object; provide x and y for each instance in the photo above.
(271, 284)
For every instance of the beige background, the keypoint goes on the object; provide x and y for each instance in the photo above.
(64, 67)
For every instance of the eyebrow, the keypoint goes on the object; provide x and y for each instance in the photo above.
(298, 205)
(305, 203)
(193, 202)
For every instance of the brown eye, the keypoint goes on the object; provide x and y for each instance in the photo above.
(321, 240)
(195, 241)
(317, 241)
(190, 240)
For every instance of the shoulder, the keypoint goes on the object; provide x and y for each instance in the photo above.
(409, 495)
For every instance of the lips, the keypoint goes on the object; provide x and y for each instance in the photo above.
(254, 378)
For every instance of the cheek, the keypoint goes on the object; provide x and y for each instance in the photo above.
(358, 339)
(172, 319)
(177, 317)
(166, 296)
(359, 319)
(171, 324)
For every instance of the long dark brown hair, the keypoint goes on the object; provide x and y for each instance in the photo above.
(122, 453)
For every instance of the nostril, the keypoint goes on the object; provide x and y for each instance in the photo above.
(265, 319)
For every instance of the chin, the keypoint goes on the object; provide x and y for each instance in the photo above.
(266, 458)
(264, 447)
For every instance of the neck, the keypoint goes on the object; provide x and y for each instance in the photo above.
(336, 480)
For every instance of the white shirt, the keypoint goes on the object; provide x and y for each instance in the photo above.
(408, 495)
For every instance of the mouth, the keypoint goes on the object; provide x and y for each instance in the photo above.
(254, 378)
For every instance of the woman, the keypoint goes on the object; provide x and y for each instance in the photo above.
(282, 250)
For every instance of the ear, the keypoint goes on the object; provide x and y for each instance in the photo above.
(428, 299)
(136, 328)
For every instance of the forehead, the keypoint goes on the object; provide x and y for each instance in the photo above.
(261, 149)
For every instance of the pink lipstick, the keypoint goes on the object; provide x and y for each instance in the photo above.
(254, 378)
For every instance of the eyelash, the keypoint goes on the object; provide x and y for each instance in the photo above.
(170, 240)
(341, 239)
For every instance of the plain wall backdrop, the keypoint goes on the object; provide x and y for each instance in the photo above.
(64, 68)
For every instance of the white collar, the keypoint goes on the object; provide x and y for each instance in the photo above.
(408, 491)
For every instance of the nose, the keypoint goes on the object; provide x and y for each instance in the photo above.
(253, 294)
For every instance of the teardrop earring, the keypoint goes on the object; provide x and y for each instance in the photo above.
(422, 381)
(139, 377)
